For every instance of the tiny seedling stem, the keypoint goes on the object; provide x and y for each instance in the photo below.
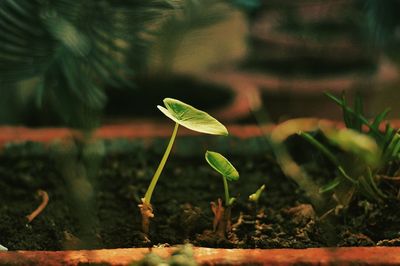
(226, 191)
(149, 192)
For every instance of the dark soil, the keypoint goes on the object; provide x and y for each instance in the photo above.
(111, 219)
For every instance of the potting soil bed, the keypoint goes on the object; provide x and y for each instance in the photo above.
(282, 219)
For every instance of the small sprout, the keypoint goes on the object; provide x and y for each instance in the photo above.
(226, 169)
(191, 118)
(222, 216)
(256, 196)
(3, 248)
(45, 200)
(231, 201)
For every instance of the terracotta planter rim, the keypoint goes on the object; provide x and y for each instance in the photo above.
(131, 130)
(212, 256)
(134, 130)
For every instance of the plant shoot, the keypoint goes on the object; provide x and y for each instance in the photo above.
(191, 118)
(222, 216)
(256, 195)
(365, 155)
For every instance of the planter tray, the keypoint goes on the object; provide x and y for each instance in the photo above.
(205, 256)
(210, 256)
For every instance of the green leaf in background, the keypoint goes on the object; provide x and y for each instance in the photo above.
(356, 143)
(192, 118)
(72, 51)
(331, 185)
(222, 165)
(66, 33)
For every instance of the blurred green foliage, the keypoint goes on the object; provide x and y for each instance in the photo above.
(384, 25)
(365, 156)
(71, 48)
(66, 52)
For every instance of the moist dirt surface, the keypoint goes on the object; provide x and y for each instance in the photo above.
(93, 203)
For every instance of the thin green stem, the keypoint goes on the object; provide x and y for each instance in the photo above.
(357, 115)
(373, 183)
(345, 175)
(149, 192)
(327, 153)
(320, 147)
(226, 191)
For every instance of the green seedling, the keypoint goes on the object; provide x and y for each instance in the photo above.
(256, 195)
(365, 154)
(254, 198)
(222, 214)
(191, 118)
(375, 152)
(359, 157)
(3, 248)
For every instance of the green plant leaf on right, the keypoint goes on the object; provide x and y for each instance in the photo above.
(374, 150)
(222, 165)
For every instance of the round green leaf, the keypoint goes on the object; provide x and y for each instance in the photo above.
(192, 118)
(222, 165)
